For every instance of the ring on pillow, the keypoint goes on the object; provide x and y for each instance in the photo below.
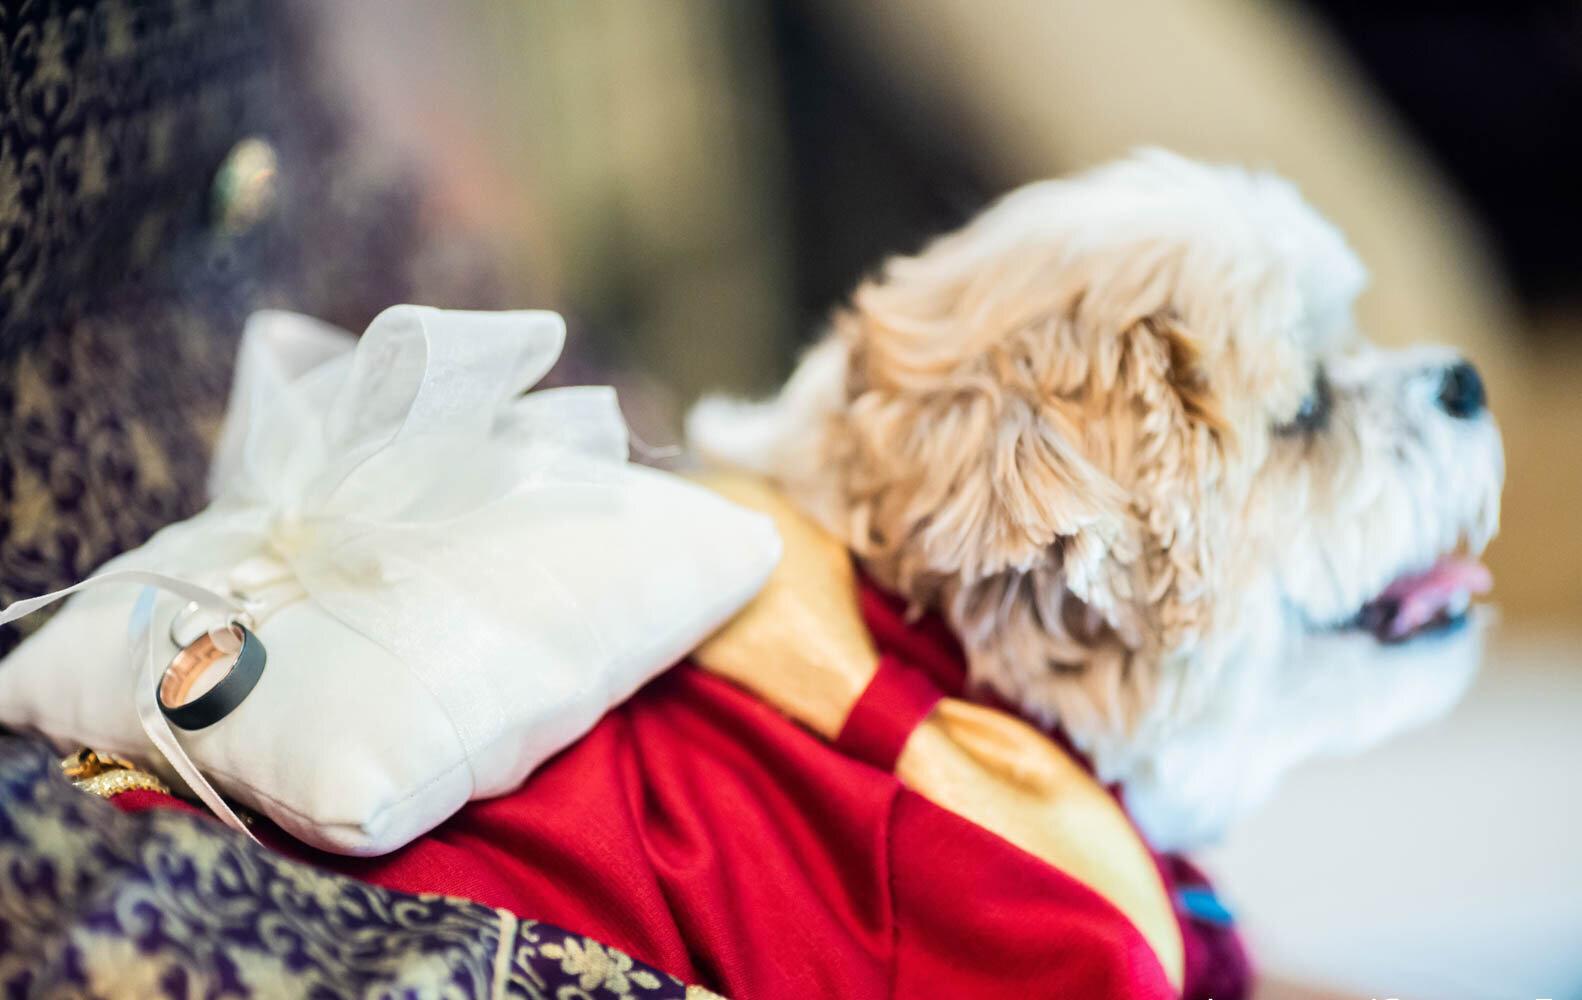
(192, 709)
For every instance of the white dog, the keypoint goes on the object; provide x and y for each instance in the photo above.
(1122, 432)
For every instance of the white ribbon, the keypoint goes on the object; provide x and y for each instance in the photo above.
(154, 723)
(142, 658)
(377, 478)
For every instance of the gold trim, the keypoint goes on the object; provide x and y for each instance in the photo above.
(113, 783)
(107, 775)
(802, 646)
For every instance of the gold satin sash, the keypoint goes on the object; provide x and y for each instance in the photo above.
(802, 646)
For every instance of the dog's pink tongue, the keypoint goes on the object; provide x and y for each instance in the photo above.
(1424, 595)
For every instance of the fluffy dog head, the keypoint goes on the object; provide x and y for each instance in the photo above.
(1122, 431)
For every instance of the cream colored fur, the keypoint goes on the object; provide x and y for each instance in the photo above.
(1061, 427)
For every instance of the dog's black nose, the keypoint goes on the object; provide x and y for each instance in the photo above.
(1461, 392)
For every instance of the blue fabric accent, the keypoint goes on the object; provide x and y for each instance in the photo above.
(1200, 903)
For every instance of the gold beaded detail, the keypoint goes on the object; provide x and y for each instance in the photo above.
(106, 775)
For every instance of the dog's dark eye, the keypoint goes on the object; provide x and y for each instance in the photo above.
(1313, 414)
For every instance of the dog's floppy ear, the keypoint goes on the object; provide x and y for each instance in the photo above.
(1016, 405)
(962, 442)
(968, 414)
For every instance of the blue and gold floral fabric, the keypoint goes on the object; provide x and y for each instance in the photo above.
(95, 902)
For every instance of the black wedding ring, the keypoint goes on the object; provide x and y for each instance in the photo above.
(194, 663)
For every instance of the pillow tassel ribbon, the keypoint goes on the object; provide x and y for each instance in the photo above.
(141, 658)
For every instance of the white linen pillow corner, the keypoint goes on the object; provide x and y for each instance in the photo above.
(579, 579)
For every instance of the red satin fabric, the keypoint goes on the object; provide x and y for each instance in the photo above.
(889, 708)
(702, 832)
(1216, 964)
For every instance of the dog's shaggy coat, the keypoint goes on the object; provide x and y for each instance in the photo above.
(1122, 432)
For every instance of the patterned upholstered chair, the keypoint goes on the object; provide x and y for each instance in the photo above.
(165, 168)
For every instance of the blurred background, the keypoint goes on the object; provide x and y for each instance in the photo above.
(696, 184)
